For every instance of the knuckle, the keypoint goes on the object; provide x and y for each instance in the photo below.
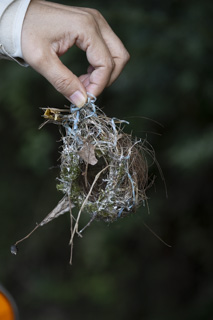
(89, 19)
(126, 56)
(96, 14)
(112, 64)
(62, 84)
(109, 63)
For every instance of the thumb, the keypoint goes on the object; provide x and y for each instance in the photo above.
(63, 80)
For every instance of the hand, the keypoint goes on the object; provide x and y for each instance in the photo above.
(50, 29)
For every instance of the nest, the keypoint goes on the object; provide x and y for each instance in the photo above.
(103, 171)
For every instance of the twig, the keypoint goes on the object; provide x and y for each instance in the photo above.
(89, 223)
(28, 235)
(83, 204)
(71, 229)
(166, 244)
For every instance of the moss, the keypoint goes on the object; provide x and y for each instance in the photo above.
(119, 156)
(71, 172)
(60, 187)
(91, 207)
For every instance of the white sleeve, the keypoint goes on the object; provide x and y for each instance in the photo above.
(12, 13)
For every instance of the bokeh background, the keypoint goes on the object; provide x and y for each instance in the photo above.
(120, 271)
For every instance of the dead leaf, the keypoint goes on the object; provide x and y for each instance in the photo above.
(87, 153)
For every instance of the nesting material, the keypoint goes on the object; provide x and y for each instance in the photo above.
(103, 171)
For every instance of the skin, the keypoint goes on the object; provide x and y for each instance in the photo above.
(51, 29)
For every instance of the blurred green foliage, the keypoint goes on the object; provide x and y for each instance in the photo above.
(120, 271)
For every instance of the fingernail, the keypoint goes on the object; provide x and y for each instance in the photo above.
(78, 99)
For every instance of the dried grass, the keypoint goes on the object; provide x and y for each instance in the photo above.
(103, 171)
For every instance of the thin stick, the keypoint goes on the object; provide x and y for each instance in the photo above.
(166, 244)
(71, 229)
(88, 224)
(52, 215)
(28, 235)
(85, 175)
(85, 201)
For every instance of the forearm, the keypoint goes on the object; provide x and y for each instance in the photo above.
(12, 13)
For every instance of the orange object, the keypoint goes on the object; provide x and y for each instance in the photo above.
(6, 308)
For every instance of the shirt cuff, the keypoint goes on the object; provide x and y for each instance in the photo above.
(11, 22)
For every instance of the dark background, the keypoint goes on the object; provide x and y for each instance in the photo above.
(120, 271)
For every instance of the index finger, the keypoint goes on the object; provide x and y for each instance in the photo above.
(99, 57)
(115, 46)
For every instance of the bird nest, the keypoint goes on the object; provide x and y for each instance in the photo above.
(103, 171)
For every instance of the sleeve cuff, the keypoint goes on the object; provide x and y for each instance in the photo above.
(11, 26)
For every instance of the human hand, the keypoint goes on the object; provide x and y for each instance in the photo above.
(50, 29)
